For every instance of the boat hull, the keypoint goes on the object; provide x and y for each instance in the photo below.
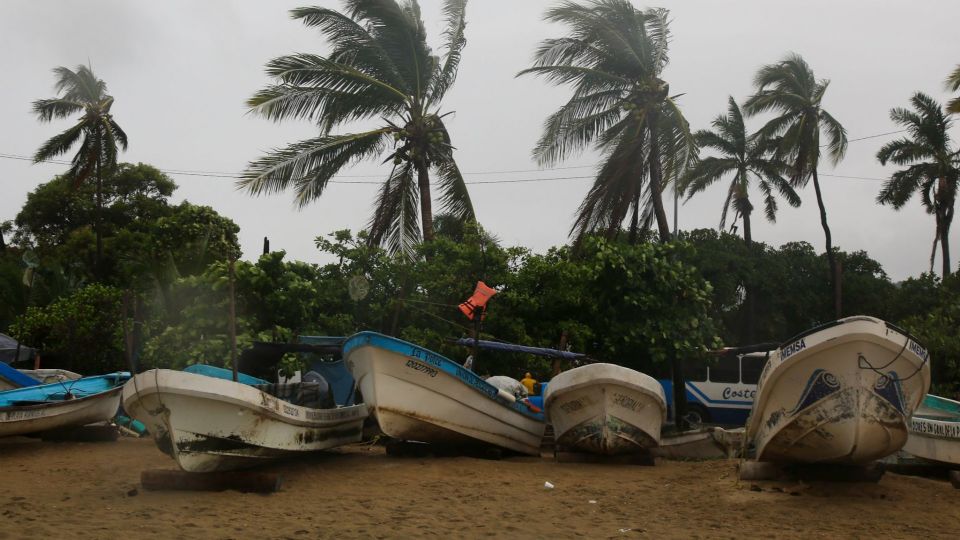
(935, 431)
(417, 395)
(605, 409)
(841, 394)
(26, 419)
(209, 424)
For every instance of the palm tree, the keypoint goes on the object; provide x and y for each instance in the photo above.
(953, 84)
(745, 159)
(82, 91)
(790, 89)
(614, 57)
(380, 66)
(933, 167)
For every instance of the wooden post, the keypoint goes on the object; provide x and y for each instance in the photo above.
(266, 245)
(477, 324)
(556, 361)
(246, 481)
(127, 334)
(233, 322)
(679, 393)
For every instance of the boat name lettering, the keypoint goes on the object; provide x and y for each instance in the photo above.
(917, 349)
(742, 393)
(626, 402)
(23, 415)
(571, 406)
(290, 410)
(426, 356)
(937, 429)
(793, 348)
(417, 366)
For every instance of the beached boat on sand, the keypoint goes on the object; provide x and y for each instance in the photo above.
(605, 409)
(418, 395)
(935, 431)
(60, 405)
(840, 393)
(211, 424)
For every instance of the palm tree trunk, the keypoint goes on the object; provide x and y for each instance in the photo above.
(426, 206)
(945, 217)
(98, 222)
(749, 299)
(656, 184)
(835, 278)
(635, 219)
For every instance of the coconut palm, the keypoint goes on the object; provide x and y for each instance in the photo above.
(953, 84)
(613, 57)
(933, 167)
(790, 89)
(81, 91)
(379, 67)
(744, 159)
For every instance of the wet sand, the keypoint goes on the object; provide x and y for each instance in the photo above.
(91, 490)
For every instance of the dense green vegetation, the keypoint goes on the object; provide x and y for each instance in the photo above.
(117, 259)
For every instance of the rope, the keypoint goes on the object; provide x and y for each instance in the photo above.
(861, 360)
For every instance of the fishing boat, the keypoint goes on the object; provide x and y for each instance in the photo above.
(935, 431)
(840, 393)
(418, 395)
(63, 404)
(605, 409)
(207, 423)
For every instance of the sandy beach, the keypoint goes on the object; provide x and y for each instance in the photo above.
(91, 490)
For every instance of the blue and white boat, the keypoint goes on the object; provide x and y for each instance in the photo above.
(61, 404)
(418, 395)
(839, 393)
(935, 431)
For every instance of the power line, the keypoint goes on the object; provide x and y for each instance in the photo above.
(216, 174)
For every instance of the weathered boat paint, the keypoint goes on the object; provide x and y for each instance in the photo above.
(934, 432)
(605, 409)
(840, 393)
(208, 424)
(418, 395)
(59, 405)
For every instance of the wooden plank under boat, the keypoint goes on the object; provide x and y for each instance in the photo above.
(840, 393)
(418, 395)
(605, 409)
(210, 424)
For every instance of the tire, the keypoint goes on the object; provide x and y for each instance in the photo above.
(697, 415)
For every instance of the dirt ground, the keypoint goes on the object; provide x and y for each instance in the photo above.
(91, 490)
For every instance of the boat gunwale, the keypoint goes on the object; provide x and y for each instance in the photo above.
(447, 366)
(58, 402)
(548, 400)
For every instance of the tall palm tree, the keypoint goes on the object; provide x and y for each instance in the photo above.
(744, 159)
(933, 167)
(790, 88)
(953, 84)
(380, 66)
(613, 57)
(80, 91)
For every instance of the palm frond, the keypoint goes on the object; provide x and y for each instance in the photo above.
(455, 40)
(60, 143)
(395, 221)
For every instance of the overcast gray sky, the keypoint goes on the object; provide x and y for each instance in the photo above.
(181, 70)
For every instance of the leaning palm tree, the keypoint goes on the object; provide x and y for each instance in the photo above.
(380, 67)
(953, 84)
(933, 167)
(744, 159)
(613, 57)
(790, 88)
(81, 91)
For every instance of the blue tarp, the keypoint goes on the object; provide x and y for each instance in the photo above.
(335, 372)
(510, 347)
(58, 391)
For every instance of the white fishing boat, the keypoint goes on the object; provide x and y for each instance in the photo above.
(210, 424)
(418, 395)
(47, 407)
(840, 393)
(605, 409)
(935, 431)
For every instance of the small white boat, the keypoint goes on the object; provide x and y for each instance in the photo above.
(840, 393)
(60, 405)
(418, 395)
(935, 431)
(209, 424)
(605, 409)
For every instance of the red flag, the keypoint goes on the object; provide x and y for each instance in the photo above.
(478, 301)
